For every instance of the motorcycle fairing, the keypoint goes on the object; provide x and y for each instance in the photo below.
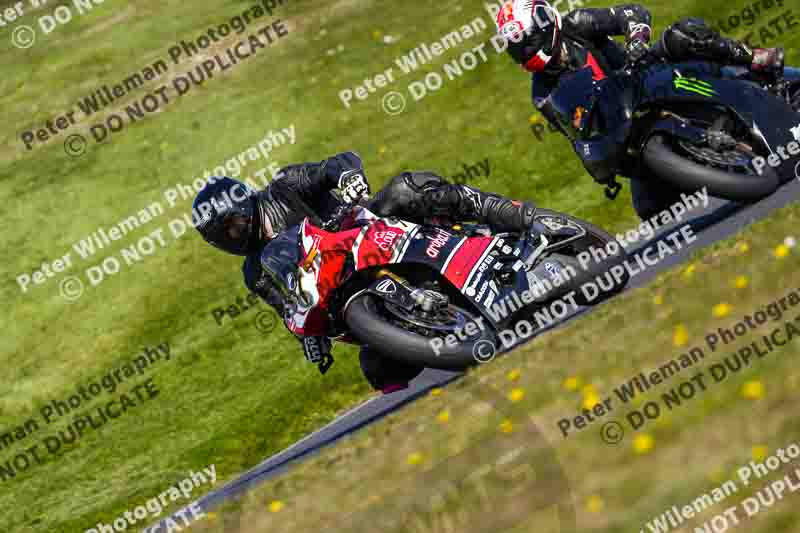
(756, 107)
(617, 97)
(466, 262)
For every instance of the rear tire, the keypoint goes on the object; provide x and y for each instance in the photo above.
(598, 238)
(686, 175)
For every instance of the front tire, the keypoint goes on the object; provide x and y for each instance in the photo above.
(369, 322)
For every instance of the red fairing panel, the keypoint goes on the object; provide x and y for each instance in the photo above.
(321, 268)
(464, 258)
(319, 273)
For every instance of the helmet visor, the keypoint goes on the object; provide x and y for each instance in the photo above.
(237, 227)
(234, 233)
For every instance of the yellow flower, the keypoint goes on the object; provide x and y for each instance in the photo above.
(382, 150)
(516, 395)
(681, 336)
(590, 400)
(506, 426)
(276, 506)
(643, 443)
(743, 247)
(513, 375)
(721, 310)
(753, 390)
(595, 504)
(377, 34)
(590, 396)
(717, 476)
(415, 459)
(572, 383)
(444, 417)
(658, 299)
(781, 251)
(690, 270)
(741, 282)
(211, 516)
(536, 118)
(436, 392)
(760, 453)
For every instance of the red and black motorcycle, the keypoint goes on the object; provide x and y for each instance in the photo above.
(434, 295)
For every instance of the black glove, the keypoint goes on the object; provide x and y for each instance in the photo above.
(354, 186)
(347, 172)
(638, 32)
(317, 350)
(636, 42)
(638, 51)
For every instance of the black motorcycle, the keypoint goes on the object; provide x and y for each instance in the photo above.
(683, 127)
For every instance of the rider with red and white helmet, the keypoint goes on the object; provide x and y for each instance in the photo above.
(543, 42)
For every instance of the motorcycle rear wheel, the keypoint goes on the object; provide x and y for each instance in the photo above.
(668, 165)
(608, 256)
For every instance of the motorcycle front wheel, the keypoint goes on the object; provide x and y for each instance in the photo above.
(418, 339)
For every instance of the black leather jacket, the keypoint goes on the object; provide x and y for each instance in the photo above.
(586, 43)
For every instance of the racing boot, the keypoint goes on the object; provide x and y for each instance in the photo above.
(384, 374)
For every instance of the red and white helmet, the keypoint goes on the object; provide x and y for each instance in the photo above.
(532, 29)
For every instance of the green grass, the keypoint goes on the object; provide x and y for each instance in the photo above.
(232, 395)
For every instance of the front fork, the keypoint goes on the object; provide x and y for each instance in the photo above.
(426, 300)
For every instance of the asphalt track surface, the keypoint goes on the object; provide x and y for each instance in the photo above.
(718, 221)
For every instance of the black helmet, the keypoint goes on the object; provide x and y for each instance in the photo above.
(226, 215)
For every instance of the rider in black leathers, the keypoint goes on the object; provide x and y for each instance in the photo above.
(242, 221)
(543, 43)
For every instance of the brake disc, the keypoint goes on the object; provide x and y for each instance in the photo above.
(709, 156)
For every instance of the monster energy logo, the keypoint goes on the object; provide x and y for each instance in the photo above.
(694, 85)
